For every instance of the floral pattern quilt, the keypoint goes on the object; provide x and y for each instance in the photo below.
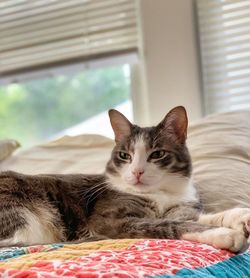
(123, 259)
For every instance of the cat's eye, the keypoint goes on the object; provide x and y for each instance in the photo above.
(157, 154)
(124, 156)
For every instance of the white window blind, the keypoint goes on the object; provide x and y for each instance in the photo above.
(224, 34)
(36, 34)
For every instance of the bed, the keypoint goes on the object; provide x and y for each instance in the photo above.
(220, 150)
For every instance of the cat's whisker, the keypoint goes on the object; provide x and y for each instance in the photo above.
(98, 192)
(97, 186)
(90, 196)
(85, 190)
(93, 187)
(86, 197)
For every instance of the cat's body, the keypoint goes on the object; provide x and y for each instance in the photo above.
(80, 207)
(145, 192)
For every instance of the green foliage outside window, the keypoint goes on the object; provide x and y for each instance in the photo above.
(35, 110)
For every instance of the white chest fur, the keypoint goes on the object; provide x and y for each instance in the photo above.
(164, 200)
(172, 191)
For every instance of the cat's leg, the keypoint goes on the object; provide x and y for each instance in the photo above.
(20, 226)
(236, 218)
(219, 237)
(192, 211)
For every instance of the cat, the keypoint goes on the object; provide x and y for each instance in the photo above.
(146, 192)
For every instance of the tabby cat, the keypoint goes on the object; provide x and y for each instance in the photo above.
(145, 192)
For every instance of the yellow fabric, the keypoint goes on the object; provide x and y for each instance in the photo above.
(68, 252)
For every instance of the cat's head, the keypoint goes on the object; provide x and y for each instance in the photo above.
(146, 160)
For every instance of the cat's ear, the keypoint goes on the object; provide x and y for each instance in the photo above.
(120, 124)
(175, 123)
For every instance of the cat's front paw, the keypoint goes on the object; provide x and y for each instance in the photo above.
(230, 239)
(239, 220)
(223, 238)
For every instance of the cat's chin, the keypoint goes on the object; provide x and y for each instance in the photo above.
(136, 188)
(140, 187)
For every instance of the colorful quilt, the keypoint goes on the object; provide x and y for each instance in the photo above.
(123, 259)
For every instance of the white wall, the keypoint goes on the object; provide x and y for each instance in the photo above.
(169, 59)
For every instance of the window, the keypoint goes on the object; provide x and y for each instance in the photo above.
(224, 34)
(41, 109)
(62, 65)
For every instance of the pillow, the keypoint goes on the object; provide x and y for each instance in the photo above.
(220, 148)
(7, 147)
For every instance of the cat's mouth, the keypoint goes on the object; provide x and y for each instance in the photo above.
(140, 183)
(140, 188)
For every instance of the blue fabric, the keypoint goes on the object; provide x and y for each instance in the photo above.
(236, 267)
(13, 252)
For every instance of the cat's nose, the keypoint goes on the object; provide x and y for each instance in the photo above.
(138, 173)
